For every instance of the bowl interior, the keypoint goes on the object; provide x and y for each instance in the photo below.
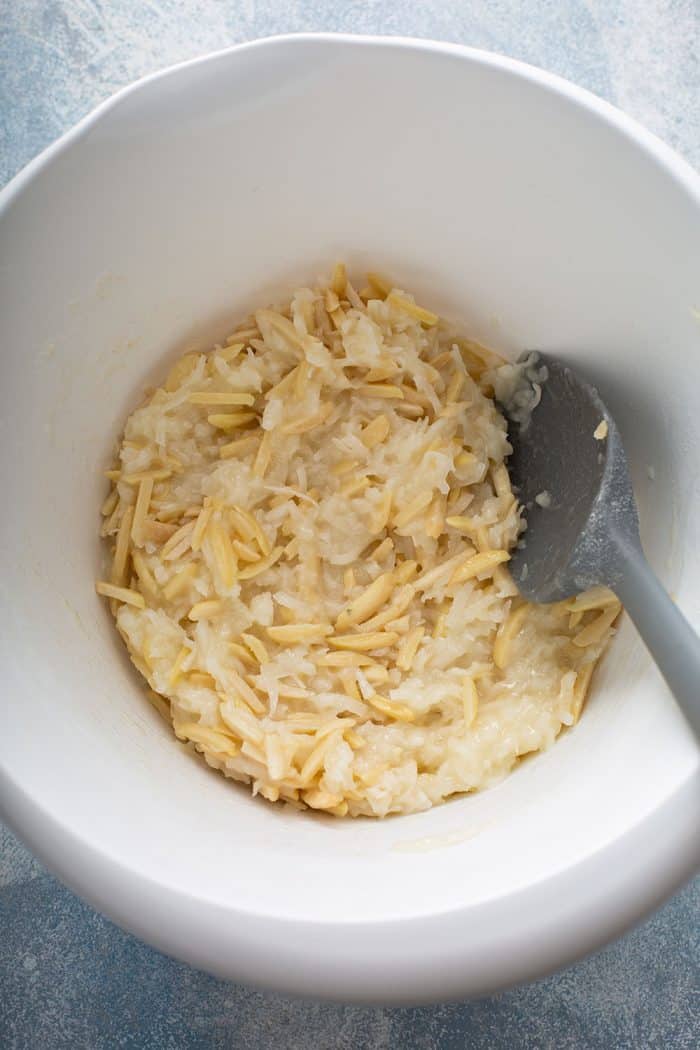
(503, 204)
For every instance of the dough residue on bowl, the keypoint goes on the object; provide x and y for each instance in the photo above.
(310, 528)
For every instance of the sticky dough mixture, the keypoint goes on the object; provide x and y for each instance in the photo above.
(309, 530)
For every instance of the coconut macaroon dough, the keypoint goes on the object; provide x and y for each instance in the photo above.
(309, 531)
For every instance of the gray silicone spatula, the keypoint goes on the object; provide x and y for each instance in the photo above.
(570, 472)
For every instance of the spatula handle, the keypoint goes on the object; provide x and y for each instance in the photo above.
(666, 633)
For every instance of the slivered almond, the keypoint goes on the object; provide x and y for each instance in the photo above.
(202, 679)
(109, 525)
(435, 518)
(426, 317)
(245, 692)
(318, 799)
(405, 571)
(179, 665)
(501, 480)
(261, 566)
(344, 466)
(331, 303)
(245, 551)
(315, 760)
(595, 598)
(292, 692)
(110, 503)
(381, 372)
(238, 447)
(595, 631)
(412, 411)
(275, 757)
(413, 508)
(244, 333)
(302, 373)
(181, 371)
(250, 528)
(143, 502)
(121, 594)
(431, 576)
(230, 420)
(363, 642)
(144, 574)
(483, 542)
(339, 279)
(179, 582)
(287, 634)
(214, 397)
(470, 700)
(211, 739)
(376, 674)
(381, 513)
(282, 326)
(345, 659)
(174, 546)
(243, 654)
(581, 685)
(354, 739)
(258, 755)
(399, 712)
(347, 677)
(402, 599)
(157, 474)
(385, 390)
(461, 523)
(306, 423)
(409, 647)
(263, 455)
(222, 551)
(479, 564)
(231, 351)
(439, 626)
(205, 610)
(284, 386)
(507, 634)
(354, 486)
(242, 722)
(367, 603)
(200, 527)
(157, 531)
(379, 284)
(453, 410)
(121, 549)
(292, 549)
(168, 512)
(383, 550)
(454, 387)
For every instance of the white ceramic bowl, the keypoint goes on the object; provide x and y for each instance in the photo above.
(504, 197)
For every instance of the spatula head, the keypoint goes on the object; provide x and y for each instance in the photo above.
(569, 471)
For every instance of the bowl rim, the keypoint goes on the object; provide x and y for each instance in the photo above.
(442, 955)
(664, 154)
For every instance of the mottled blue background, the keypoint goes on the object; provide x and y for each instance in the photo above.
(69, 978)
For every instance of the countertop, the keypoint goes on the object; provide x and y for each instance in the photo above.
(68, 977)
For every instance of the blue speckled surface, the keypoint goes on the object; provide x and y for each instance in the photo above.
(69, 978)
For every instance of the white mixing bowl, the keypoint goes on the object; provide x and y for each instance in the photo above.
(505, 198)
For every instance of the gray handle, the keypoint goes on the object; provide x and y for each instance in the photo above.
(668, 636)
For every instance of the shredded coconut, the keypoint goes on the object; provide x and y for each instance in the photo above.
(309, 530)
